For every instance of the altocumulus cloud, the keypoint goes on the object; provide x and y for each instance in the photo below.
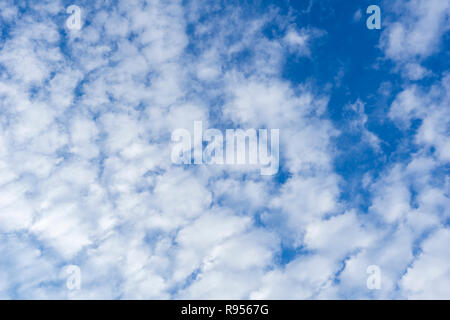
(86, 177)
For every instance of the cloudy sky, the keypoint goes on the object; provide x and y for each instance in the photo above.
(86, 177)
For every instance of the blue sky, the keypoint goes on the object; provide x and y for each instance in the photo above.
(86, 177)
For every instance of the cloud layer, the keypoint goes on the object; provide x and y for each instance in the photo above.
(86, 177)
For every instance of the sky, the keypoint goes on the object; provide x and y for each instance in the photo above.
(89, 194)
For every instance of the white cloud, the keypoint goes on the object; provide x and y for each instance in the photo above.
(431, 106)
(429, 275)
(86, 177)
(415, 33)
(419, 30)
(415, 71)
